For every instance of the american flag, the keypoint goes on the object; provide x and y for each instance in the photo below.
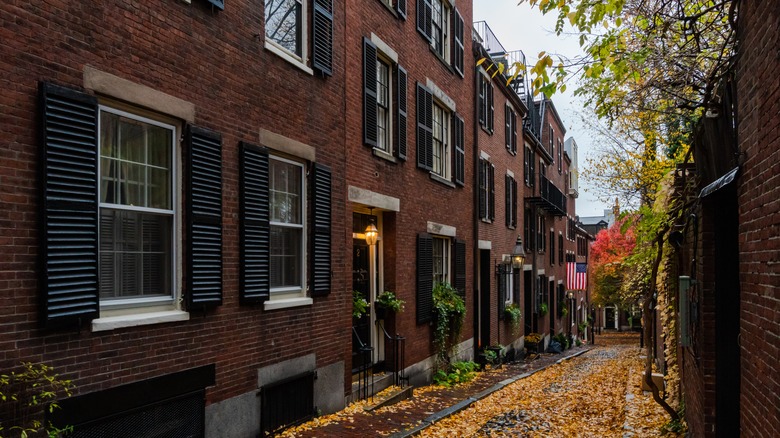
(576, 275)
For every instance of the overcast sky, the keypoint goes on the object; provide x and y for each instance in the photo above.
(519, 27)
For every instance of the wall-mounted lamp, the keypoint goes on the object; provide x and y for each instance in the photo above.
(518, 254)
(372, 234)
(571, 294)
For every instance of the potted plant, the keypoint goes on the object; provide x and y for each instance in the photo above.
(387, 301)
(543, 309)
(513, 315)
(359, 304)
(532, 341)
(564, 311)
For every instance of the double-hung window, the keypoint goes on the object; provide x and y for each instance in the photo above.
(441, 142)
(510, 201)
(137, 210)
(486, 190)
(439, 26)
(285, 25)
(287, 221)
(287, 32)
(384, 100)
(486, 103)
(441, 260)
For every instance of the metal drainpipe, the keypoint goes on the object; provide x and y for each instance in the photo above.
(475, 209)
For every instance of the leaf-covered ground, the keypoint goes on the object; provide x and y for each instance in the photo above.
(596, 394)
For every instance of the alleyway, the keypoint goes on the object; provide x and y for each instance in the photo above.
(594, 394)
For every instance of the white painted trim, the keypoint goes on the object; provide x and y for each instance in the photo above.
(294, 60)
(286, 303)
(510, 174)
(484, 155)
(384, 48)
(115, 322)
(485, 244)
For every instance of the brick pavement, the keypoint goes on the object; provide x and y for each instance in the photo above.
(401, 419)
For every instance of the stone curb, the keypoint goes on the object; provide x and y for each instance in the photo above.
(463, 404)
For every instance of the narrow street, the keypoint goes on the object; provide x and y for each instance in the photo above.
(595, 394)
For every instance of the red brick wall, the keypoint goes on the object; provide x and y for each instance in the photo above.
(758, 91)
(421, 198)
(215, 60)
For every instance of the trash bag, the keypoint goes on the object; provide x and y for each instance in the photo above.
(554, 347)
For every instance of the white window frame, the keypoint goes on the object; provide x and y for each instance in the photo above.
(446, 10)
(282, 293)
(444, 244)
(158, 303)
(382, 60)
(509, 295)
(301, 60)
(444, 168)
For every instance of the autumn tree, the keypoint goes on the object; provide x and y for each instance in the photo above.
(607, 256)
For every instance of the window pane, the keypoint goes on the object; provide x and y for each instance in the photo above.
(285, 257)
(441, 261)
(283, 23)
(135, 164)
(383, 106)
(285, 191)
(135, 254)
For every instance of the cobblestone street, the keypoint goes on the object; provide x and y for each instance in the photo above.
(594, 394)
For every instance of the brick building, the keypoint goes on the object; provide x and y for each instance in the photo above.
(729, 325)
(153, 153)
(408, 107)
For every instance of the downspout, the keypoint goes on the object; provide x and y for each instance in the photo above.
(475, 210)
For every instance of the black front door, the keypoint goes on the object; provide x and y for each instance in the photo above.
(484, 298)
(609, 317)
(361, 282)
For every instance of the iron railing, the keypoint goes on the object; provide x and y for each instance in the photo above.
(550, 197)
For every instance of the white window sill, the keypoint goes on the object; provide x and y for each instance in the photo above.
(288, 57)
(115, 322)
(286, 303)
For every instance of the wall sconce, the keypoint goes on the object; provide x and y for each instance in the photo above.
(571, 295)
(518, 254)
(372, 234)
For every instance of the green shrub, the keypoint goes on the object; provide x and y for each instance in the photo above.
(449, 312)
(359, 304)
(27, 395)
(460, 372)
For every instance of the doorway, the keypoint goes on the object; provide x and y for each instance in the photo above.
(609, 317)
(484, 298)
(366, 348)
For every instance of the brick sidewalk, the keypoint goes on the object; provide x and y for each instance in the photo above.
(401, 418)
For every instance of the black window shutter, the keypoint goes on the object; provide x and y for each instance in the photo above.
(490, 109)
(508, 200)
(424, 128)
(532, 165)
(502, 287)
(514, 203)
(460, 267)
(69, 148)
(322, 21)
(457, 34)
(255, 280)
(400, 7)
(518, 273)
(458, 141)
(321, 251)
(424, 278)
(492, 197)
(514, 132)
(482, 102)
(424, 15)
(369, 94)
(483, 211)
(204, 218)
(507, 128)
(219, 4)
(401, 101)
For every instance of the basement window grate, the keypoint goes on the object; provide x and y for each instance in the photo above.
(287, 402)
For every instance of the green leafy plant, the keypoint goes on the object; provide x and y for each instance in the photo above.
(563, 310)
(578, 342)
(490, 355)
(513, 315)
(389, 301)
(27, 395)
(460, 372)
(359, 304)
(543, 309)
(449, 313)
